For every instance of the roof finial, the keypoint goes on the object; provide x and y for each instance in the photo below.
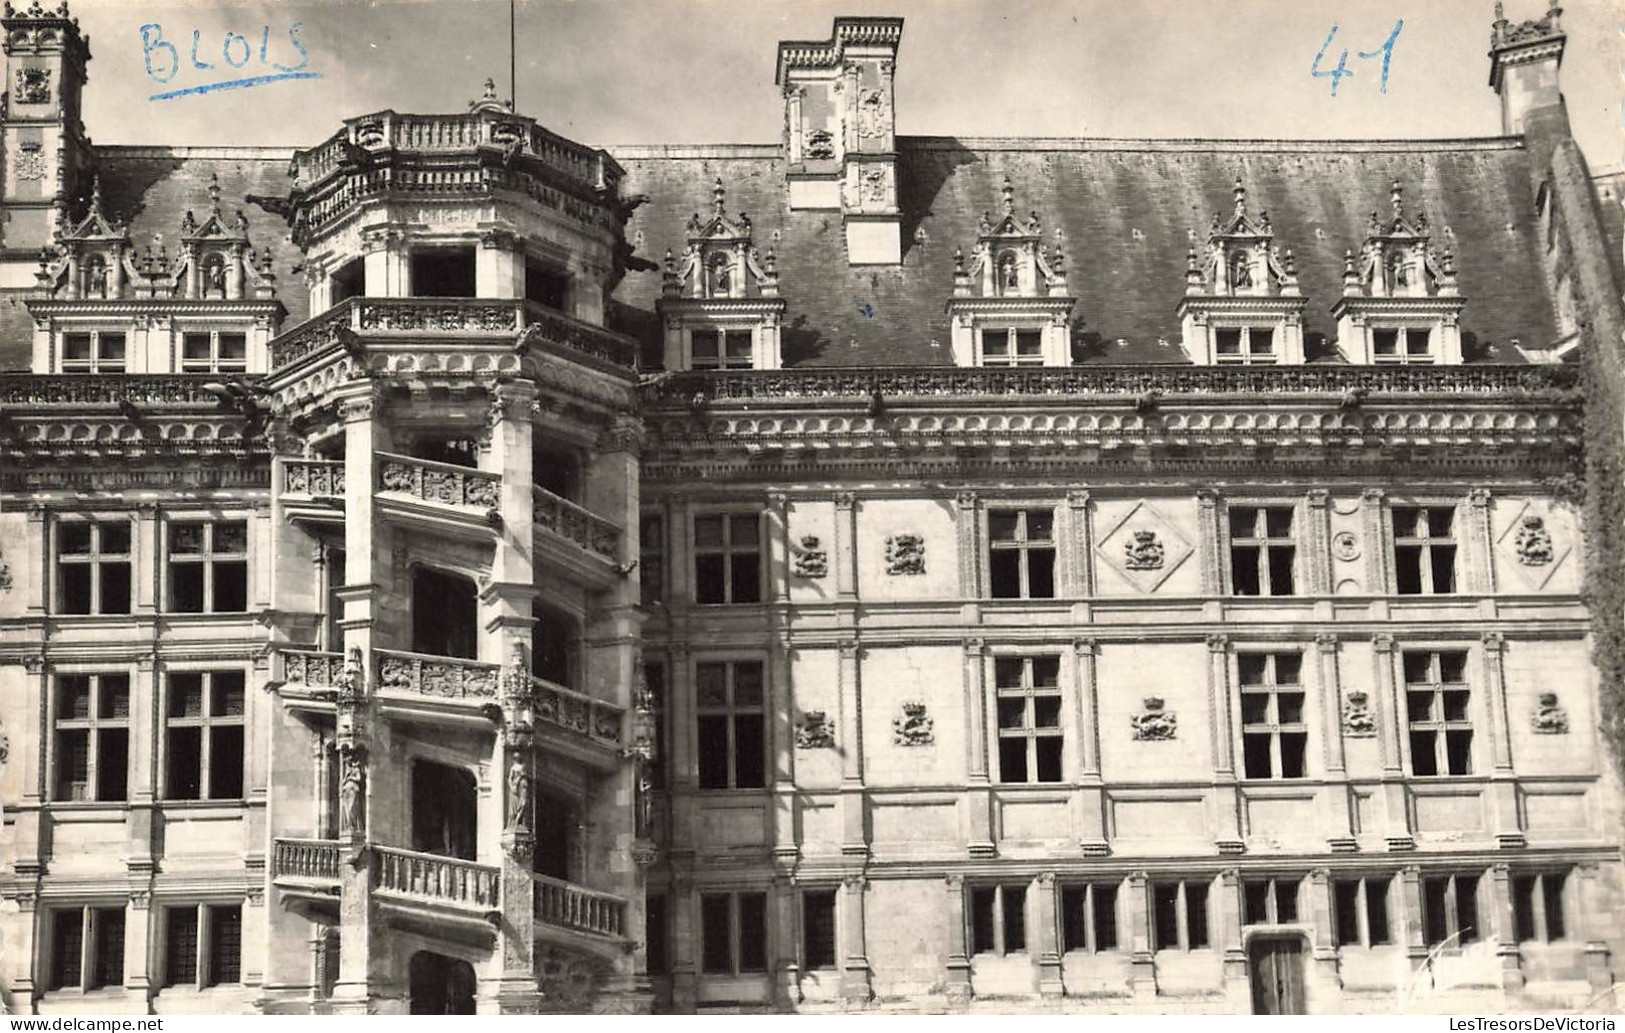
(490, 90)
(1241, 198)
(959, 261)
(214, 194)
(1009, 197)
(1500, 11)
(717, 196)
(1397, 196)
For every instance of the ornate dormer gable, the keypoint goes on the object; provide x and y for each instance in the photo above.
(217, 261)
(1242, 305)
(1400, 303)
(1010, 305)
(720, 300)
(91, 256)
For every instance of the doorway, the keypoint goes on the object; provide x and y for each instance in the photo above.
(1275, 966)
(441, 985)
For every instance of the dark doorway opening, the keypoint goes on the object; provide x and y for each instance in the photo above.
(440, 985)
(445, 614)
(444, 799)
(443, 272)
(556, 821)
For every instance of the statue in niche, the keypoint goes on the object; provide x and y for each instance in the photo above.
(518, 795)
(1398, 271)
(721, 276)
(1009, 274)
(95, 277)
(352, 797)
(214, 276)
(1241, 271)
(1533, 542)
(1550, 718)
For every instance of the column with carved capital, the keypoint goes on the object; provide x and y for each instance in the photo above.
(1391, 715)
(1091, 796)
(855, 987)
(846, 545)
(138, 974)
(1409, 931)
(1210, 541)
(979, 794)
(1335, 802)
(783, 708)
(957, 984)
(849, 677)
(1374, 525)
(1226, 801)
(1503, 789)
(1478, 538)
(1317, 543)
(36, 547)
(1323, 949)
(1080, 547)
(1050, 981)
(140, 845)
(968, 525)
(515, 990)
(685, 938)
(385, 261)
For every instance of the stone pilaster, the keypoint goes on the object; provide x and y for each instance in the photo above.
(1078, 549)
(846, 545)
(1391, 718)
(1503, 789)
(1090, 797)
(979, 796)
(957, 981)
(1334, 793)
(849, 664)
(1048, 947)
(1504, 927)
(1226, 795)
(855, 986)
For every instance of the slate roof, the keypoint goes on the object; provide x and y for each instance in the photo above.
(1125, 208)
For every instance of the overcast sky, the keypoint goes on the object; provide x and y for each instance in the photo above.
(674, 71)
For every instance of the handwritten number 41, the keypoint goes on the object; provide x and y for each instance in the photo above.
(1337, 74)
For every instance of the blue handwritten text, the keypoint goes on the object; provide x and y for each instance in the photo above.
(164, 63)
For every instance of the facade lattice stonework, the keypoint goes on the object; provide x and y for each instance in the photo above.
(451, 568)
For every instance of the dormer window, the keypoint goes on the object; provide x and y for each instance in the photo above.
(1400, 301)
(1241, 305)
(720, 301)
(100, 351)
(1010, 305)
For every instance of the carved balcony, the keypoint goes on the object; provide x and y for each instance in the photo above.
(431, 881)
(310, 863)
(310, 489)
(575, 538)
(436, 688)
(306, 678)
(564, 906)
(442, 497)
(585, 728)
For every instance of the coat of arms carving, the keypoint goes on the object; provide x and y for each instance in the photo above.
(1143, 551)
(29, 162)
(820, 145)
(1533, 541)
(1156, 722)
(1549, 718)
(913, 728)
(871, 113)
(905, 554)
(815, 731)
(1358, 720)
(33, 86)
(812, 561)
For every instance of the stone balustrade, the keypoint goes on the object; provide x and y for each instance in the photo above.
(443, 483)
(23, 391)
(438, 677)
(437, 879)
(311, 668)
(596, 719)
(308, 860)
(575, 907)
(564, 518)
(316, 478)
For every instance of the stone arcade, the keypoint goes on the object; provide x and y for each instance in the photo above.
(944, 580)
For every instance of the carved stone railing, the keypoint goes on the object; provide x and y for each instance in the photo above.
(437, 315)
(438, 677)
(568, 520)
(550, 328)
(316, 478)
(309, 860)
(596, 719)
(826, 384)
(575, 907)
(315, 335)
(26, 390)
(445, 483)
(311, 668)
(436, 879)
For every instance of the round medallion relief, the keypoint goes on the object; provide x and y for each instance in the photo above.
(1345, 546)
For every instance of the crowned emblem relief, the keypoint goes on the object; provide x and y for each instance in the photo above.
(5, 574)
(913, 728)
(33, 86)
(1142, 546)
(872, 117)
(815, 732)
(812, 559)
(1549, 717)
(1156, 722)
(1533, 541)
(905, 555)
(820, 145)
(29, 162)
(875, 185)
(1358, 720)
(1143, 551)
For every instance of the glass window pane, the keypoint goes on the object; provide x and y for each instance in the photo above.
(195, 347)
(113, 538)
(1288, 668)
(113, 692)
(186, 538)
(73, 539)
(1001, 525)
(1047, 712)
(231, 537)
(708, 530)
(750, 752)
(73, 696)
(1049, 758)
(711, 681)
(744, 529)
(1008, 672)
(1046, 671)
(753, 932)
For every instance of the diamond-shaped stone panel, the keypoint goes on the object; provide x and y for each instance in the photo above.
(1145, 562)
(1510, 553)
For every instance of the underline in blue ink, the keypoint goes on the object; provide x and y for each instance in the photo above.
(234, 84)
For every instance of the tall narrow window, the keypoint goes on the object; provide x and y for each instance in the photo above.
(817, 929)
(727, 558)
(732, 739)
(93, 567)
(92, 736)
(1424, 550)
(1437, 705)
(1450, 910)
(1274, 737)
(998, 917)
(1269, 901)
(1362, 912)
(656, 934)
(180, 946)
(225, 945)
(1263, 552)
(721, 349)
(1029, 705)
(733, 933)
(1089, 917)
(1537, 906)
(1179, 915)
(87, 948)
(652, 559)
(1021, 553)
(205, 736)
(208, 566)
(445, 614)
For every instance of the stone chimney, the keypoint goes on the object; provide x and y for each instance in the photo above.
(840, 132)
(1523, 65)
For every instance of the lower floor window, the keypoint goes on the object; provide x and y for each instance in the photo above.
(203, 945)
(733, 932)
(656, 934)
(1089, 917)
(1180, 913)
(1537, 906)
(818, 929)
(1450, 910)
(87, 948)
(998, 919)
(1269, 901)
(1361, 911)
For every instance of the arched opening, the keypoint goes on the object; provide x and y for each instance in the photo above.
(556, 470)
(554, 656)
(440, 985)
(445, 614)
(444, 802)
(557, 827)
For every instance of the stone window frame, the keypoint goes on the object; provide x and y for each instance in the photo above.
(832, 891)
(1271, 725)
(727, 512)
(1030, 733)
(94, 725)
(652, 558)
(1449, 909)
(722, 331)
(973, 530)
(213, 363)
(1531, 917)
(1362, 910)
(94, 558)
(736, 933)
(1245, 328)
(91, 970)
(1296, 539)
(1402, 354)
(730, 712)
(1022, 546)
(1089, 909)
(207, 723)
(207, 558)
(1278, 887)
(1183, 941)
(1013, 359)
(999, 913)
(96, 362)
(1436, 683)
(205, 943)
(1427, 543)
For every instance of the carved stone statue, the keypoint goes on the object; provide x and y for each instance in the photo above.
(518, 795)
(214, 277)
(1241, 271)
(352, 798)
(1009, 275)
